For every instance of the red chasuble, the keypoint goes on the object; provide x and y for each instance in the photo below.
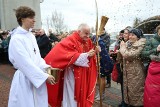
(63, 55)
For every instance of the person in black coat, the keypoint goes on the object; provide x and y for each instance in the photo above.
(43, 43)
(52, 37)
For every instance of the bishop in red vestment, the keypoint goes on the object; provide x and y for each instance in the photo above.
(75, 55)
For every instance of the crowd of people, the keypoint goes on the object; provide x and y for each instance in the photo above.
(33, 52)
(137, 59)
(4, 43)
(45, 42)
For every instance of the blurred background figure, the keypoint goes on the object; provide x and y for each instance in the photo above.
(43, 43)
(118, 64)
(106, 39)
(52, 36)
(37, 34)
(4, 43)
(106, 64)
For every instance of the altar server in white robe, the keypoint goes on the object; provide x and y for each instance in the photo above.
(28, 88)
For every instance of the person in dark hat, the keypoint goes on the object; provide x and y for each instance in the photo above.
(137, 32)
(133, 68)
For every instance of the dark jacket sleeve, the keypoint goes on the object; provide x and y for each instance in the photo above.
(148, 49)
(43, 42)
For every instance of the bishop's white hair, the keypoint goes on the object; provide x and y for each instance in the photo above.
(82, 26)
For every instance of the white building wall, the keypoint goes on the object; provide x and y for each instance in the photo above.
(7, 15)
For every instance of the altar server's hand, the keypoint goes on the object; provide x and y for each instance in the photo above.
(51, 80)
(91, 53)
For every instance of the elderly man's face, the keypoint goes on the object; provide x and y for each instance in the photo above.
(84, 33)
(37, 33)
(41, 32)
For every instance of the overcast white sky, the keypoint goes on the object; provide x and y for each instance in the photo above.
(121, 13)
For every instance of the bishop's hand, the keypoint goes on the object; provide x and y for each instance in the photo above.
(91, 53)
(98, 49)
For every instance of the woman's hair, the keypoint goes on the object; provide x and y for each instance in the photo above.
(129, 28)
(23, 12)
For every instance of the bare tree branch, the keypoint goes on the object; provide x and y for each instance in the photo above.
(57, 22)
(136, 22)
